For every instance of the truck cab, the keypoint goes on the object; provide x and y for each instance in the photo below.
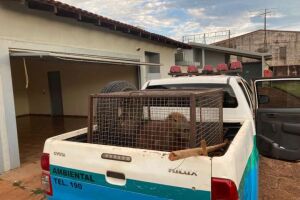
(274, 105)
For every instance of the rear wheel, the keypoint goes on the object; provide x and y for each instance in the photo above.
(108, 116)
(118, 86)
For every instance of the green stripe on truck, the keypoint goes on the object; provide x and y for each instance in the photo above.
(153, 189)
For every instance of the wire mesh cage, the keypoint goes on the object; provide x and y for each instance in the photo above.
(164, 120)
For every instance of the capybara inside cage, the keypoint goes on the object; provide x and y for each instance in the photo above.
(164, 120)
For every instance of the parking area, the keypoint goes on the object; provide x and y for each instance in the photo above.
(278, 180)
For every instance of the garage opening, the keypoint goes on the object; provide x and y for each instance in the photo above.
(51, 95)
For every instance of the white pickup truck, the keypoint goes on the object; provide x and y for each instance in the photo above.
(265, 117)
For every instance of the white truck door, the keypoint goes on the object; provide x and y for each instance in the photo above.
(278, 117)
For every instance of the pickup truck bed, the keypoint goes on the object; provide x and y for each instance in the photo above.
(229, 131)
(77, 174)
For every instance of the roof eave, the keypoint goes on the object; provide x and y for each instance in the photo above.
(65, 10)
(238, 52)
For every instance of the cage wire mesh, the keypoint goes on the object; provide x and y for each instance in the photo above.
(164, 120)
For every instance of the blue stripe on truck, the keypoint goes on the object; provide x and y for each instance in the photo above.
(248, 188)
(75, 184)
(64, 191)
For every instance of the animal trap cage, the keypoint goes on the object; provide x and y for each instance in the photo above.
(164, 120)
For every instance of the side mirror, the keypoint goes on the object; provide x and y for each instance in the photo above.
(263, 99)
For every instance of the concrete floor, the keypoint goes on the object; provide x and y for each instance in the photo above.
(34, 130)
(24, 183)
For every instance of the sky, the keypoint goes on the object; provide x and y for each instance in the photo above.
(177, 18)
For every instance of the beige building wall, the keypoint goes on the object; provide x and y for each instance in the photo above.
(276, 39)
(29, 25)
(78, 81)
(214, 58)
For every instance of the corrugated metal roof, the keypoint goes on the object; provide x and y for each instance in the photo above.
(65, 10)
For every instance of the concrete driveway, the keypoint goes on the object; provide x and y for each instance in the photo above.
(22, 183)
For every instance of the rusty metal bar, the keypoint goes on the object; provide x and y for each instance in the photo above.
(159, 93)
(221, 115)
(192, 121)
(90, 119)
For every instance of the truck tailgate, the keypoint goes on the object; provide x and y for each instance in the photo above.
(92, 171)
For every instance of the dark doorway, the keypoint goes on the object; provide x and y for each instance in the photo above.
(55, 93)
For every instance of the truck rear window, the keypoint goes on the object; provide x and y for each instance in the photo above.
(229, 100)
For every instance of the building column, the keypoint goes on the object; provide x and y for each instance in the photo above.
(9, 148)
(203, 57)
(143, 68)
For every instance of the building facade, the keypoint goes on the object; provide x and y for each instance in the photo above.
(47, 42)
(283, 45)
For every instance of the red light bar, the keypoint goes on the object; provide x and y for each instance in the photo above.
(208, 68)
(222, 67)
(175, 69)
(268, 73)
(192, 69)
(236, 65)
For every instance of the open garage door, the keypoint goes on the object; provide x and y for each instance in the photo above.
(80, 57)
(51, 92)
